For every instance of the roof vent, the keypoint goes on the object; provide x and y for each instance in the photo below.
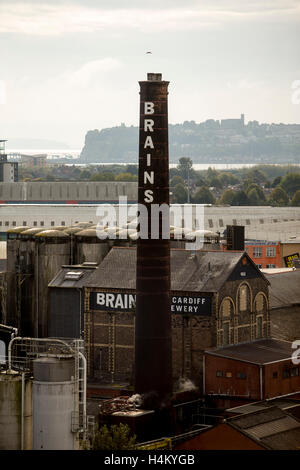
(73, 275)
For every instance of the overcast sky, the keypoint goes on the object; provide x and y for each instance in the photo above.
(74, 65)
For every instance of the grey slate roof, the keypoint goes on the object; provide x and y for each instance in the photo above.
(256, 352)
(60, 281)
(284, 288)
(205, 271)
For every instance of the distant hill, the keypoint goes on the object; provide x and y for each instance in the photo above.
(20, 143)
(225, 141)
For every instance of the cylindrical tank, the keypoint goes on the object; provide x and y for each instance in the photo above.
(71, 231)
(12, 414)
(14, 266)
(54, 406)
(89, 247)
(52, 248)
(27, 253)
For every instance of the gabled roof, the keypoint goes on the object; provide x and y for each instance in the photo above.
(284, 288)
(200, 271)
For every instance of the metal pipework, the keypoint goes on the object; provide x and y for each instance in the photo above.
(153, 369)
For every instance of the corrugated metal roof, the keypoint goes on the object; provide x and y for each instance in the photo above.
(272, 427)
(284, 288)
(256, 352)
(201, 271)
(285, 423)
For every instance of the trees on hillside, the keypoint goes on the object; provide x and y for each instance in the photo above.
(278, 197)
(291, 183)
(203, 196)
(296, 199)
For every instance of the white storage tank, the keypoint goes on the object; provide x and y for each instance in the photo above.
(15, 418)
(54, 405)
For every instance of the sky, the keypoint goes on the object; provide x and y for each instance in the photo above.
(73, 65)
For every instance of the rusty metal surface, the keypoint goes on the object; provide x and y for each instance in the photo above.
(153, 319)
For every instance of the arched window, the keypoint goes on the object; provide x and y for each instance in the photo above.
(243, 297)
(259, 302)
(226, 308)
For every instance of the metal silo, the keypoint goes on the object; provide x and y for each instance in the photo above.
(14, 266)
(27, 253)
(15, 411)
(52, 248)
(89, 247)
(71, 231)
(54, 404)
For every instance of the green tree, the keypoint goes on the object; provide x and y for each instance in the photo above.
(255, 195)
(114, 438)
(278, 197)
(105, 176)
(240, 199)
(227, 197)
(257, 176)
(126, 177)
(185, 168)
(276, 181)
(85, 175)
(296, 199)
(180, 194)
(228, 178)
(176, 180)
(204, 196)
(291, 183)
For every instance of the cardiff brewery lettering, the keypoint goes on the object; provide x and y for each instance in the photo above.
(113, 301)
(148, 127)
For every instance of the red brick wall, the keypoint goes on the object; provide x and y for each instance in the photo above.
(264, 259)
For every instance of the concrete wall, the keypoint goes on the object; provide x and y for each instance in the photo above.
(65, 191)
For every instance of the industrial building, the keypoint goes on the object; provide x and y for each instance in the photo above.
(217, 298)
(8, 170)
(257, 370)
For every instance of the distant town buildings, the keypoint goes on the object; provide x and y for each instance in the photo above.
(8, 170)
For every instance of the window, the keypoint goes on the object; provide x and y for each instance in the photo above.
(294, 372)
(35, 223)
(241, 375)
(221, 224)
(275, 375)
(259, 303)
(247, 221)
(261, 221)
(14, 223)
(259, 266)
(210, 223)
(219, 373)
(233, 221)
(271, 251)
(52, 223)
(226, 308)
(24, 223)
(259, 327)
(243, 298)
(271, 266)
(228, 375)
(63, 223)
(0, 223)
(285, 373)
(226, 339)
(42, 223)
(6, 223)
(257, 252)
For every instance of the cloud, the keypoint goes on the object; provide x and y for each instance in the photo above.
(42, 18)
